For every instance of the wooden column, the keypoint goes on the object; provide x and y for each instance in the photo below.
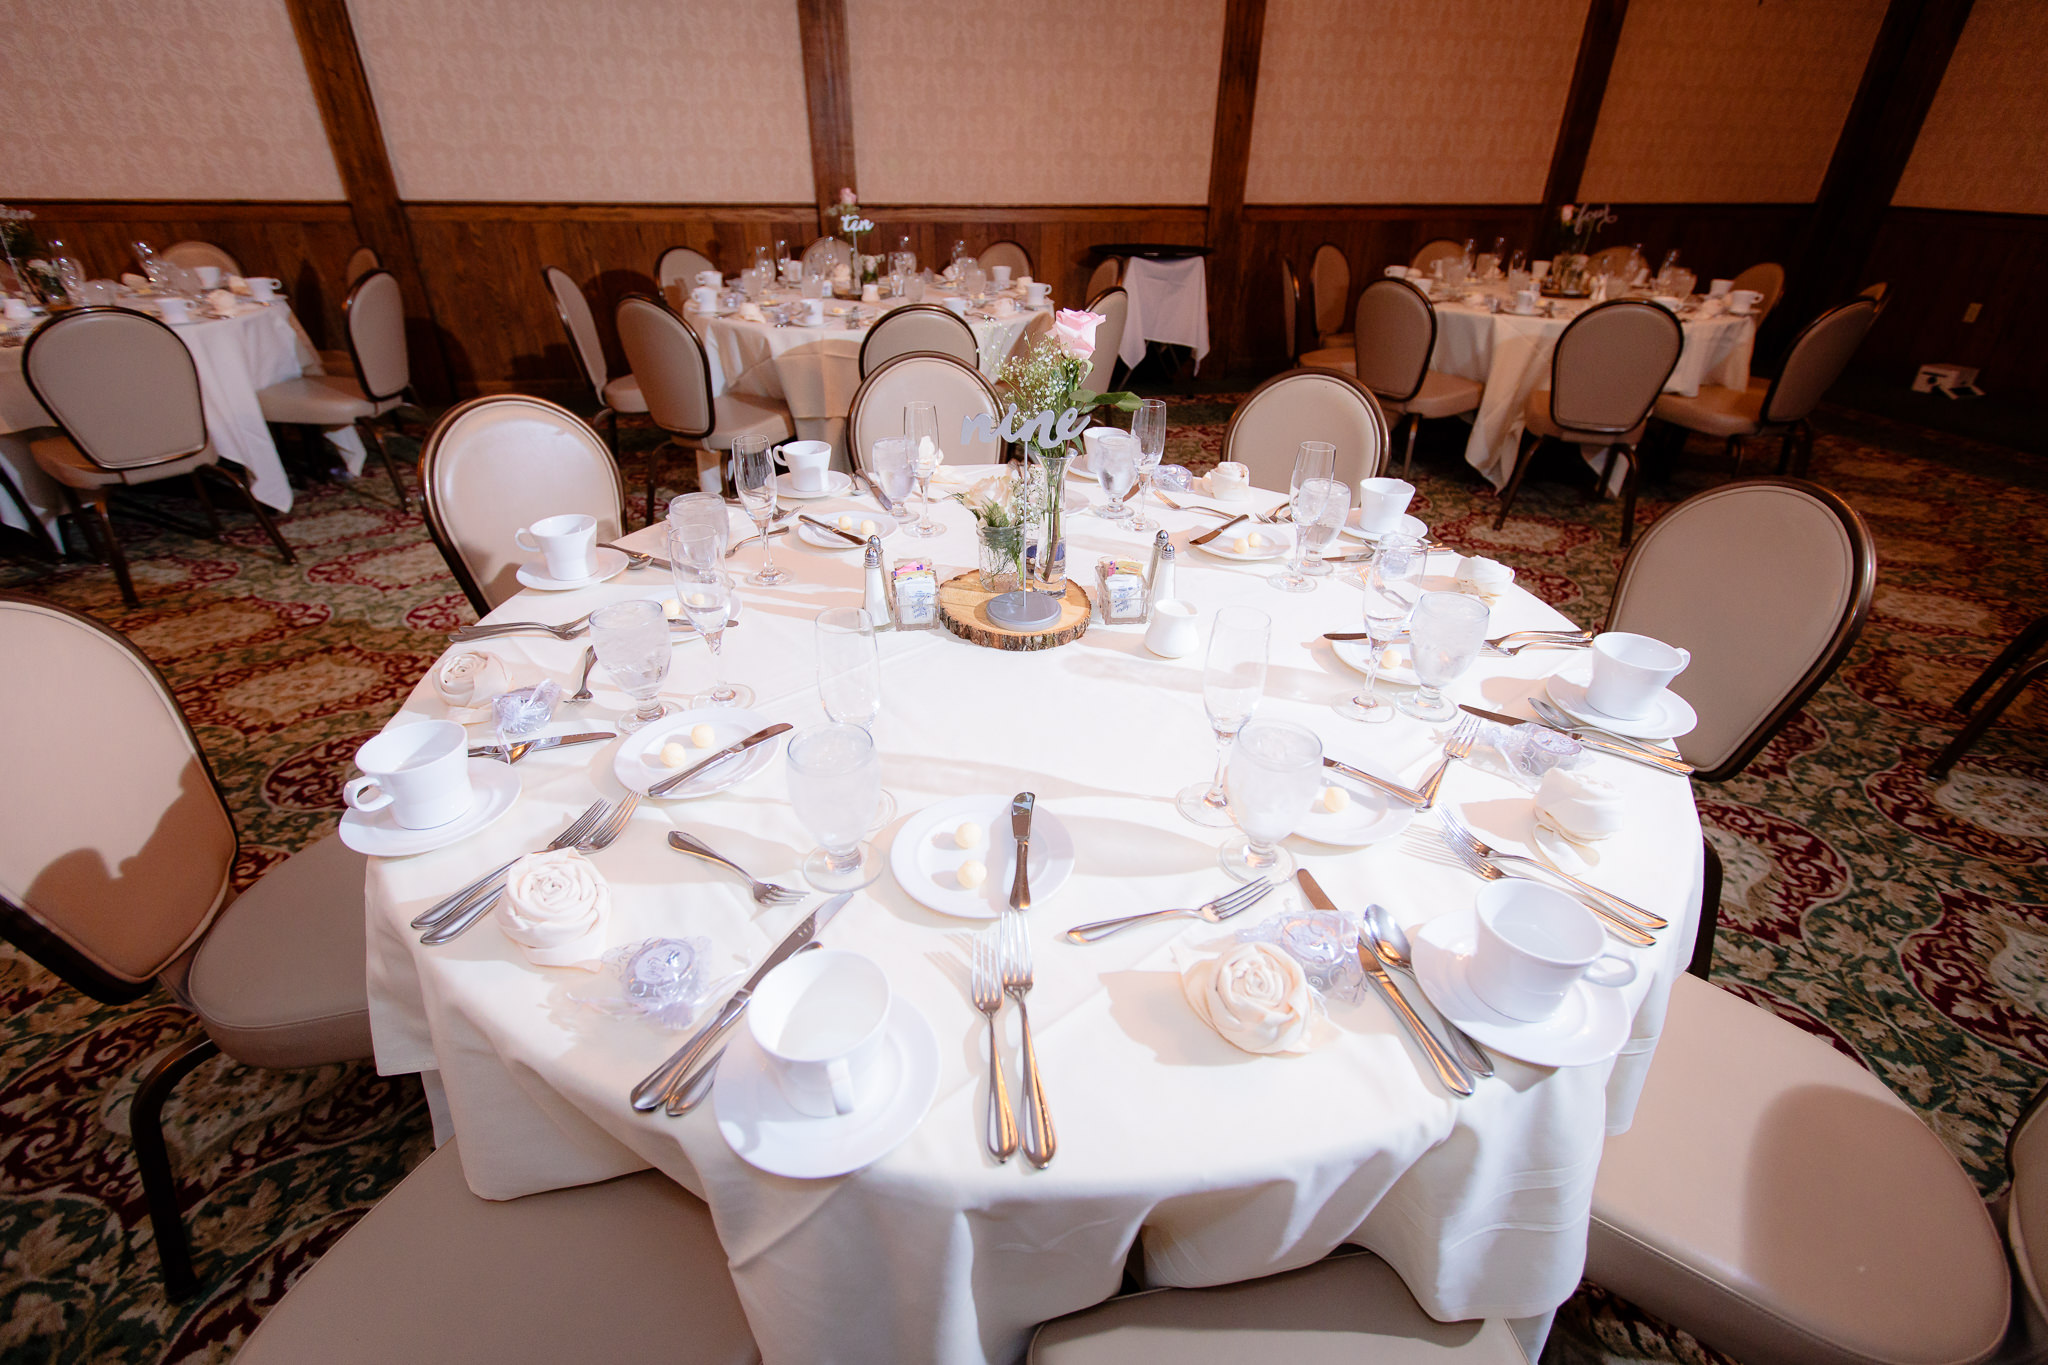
(1237, 86)
(327, 43)
(1597, 44)
(828, 94)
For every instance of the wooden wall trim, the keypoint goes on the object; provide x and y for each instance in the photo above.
(1597, 44)
(1230, 152)
(1352, 213)
(212, 210)
(453, 211)
(828, 95)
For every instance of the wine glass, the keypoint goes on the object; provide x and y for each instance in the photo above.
(1148, 424)
(1233, 676)
(1275, 769)
(835, 786)
(1320, 508)
(850, 678)
(753, 473)
(1393, 584)
(1115, 465)
(706, 595)
(895, 466)
(921, 425)
(632, 642)
(1445, 634)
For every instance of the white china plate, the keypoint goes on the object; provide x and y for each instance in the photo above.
(1590, 1026)
(762, 1129)
(885, 526)
(713, 312)
(1407, 526)
(837, 484)
(610, 564)
(924, 856)
(1371, 818)
(1671, 717)
(493, 788)
(1356, 654)
(1278, 543)
(638, 765)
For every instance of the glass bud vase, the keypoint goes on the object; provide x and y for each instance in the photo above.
(1051, 570)
(1002, 558)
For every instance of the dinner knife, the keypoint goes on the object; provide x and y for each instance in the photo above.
(669, 784)
(891, 508)
(849, 537)
(536, 745)
(1206, 537)
(648, 1095)
(1449, 1069)
(1395, 789)
(1646, 757)
(1020, 827)
(687, 1093)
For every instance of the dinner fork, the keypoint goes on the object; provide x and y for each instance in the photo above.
(1458, 746)
(568, 630)
(1556, 719)
(608, 829)
(1215, 911)
(765, 893)
(1649, 919)
(1039, 1143)
(988, 998)
(447, 906)
(1485, 868)
(1212, 511)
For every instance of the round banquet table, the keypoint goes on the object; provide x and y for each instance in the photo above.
(1225, 1165)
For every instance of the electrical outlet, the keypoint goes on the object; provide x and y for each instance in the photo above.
(1970, 313)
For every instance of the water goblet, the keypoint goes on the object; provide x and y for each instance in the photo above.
(1233, 676)
(1275, 770)
(835, 785)
(895, 467)
(1115, 462)
(707, 597)
(1320, 507)
(921, 425)
(1393, 584)
(632, 642)
(753, 473)
(1445, 634)
(850, 678)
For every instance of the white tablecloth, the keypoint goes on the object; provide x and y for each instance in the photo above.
(1228, 1166)
(1510, 355)
(1169, 303)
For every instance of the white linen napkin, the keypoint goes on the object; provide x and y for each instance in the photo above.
(556, 907)
(1486, 579)
(1580, 807)
(467, 681)
(751, 312)
(1255, 996)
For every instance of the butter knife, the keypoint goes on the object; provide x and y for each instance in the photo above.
(1648, 758)
(528, 746)
(669, 784)
(1449, 1069)
(1020, 827)
(1394, 789)
(847, 536)
(1208, 536)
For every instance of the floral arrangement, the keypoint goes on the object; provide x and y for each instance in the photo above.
(1580, 221)
(1048, 406)
(852, 223)
(993, 501)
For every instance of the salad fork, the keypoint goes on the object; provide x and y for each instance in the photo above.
(609, 827)
(1629, 919)
(637, 559)
(1215, 911)
(1458, 746)
(447, 906)
(764, 893)
(988, 998)
(1556, 719)
(1039, 1143)
(568, 630)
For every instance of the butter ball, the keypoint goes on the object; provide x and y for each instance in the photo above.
(1334, 799)
(672, 608)
(972, 873)
(846, 523)
(1242, 545)
(868, 527)
(968, 835)
(703, 736)
(674, 755)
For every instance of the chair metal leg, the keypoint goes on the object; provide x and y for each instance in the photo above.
(1408, 460)
(153, 1159)
(212, 517)
(1710, 913)
(1628, 493)
(2023, 644)
(98, 526)
(1522, 458)
(368, 429)
(1735, 455)
(611, 417)
(240, 482)
(1973, 729)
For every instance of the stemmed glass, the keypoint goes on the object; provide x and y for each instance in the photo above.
(1320, 508)
(699, 534)
(1275, 769)
(835, 786)
(1232, 678)
(706, 595)
(850, 677)
(632, 642)
(1148, 424)
(1115, 461)
(753, 473)
(921, 425)
(1392, 586)
(1445, 634)
(895, 468)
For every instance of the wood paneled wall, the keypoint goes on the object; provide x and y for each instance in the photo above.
(1937, 262)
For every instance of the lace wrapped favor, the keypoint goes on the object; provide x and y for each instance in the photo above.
(1324, 942)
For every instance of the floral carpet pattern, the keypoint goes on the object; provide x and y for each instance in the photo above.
(1903, 919)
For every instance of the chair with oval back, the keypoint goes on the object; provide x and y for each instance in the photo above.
(192, 255)
(827, 252)
(614, 396)
(1269, 426)
(1107, 274)
(1330, 285)
(681, 265)
(1114, 307)
(1395, 330)
(495, 464)
(125, 393)
(361, 262)
(1006, 253)
(918, 327)
(1433, 250)
(1609, 365)
(1766, 278)
(1040, 325)
(119, 887)
(958, 391)
(1615, 260)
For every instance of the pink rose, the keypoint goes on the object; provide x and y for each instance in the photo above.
(846, 196)
(1565, 214)
(1076, 330)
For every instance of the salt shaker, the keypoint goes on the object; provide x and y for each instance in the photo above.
(1162, 570)
(875, 594)
(1159, 542)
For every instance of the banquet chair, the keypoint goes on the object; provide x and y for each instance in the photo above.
(382, 381)
(2019, 656)
(495, 464)
(1348, 1308)
(1875, 292)
(1395, 330)
(669, 360)
(192, 255)
(1040, 325)
(1818, 356)
(118, 887)
(614, 396)
(958, 392)
(1307, 405)
(1616, 260)
(1608, 367)
(1329, 276)
(827, 252)
(1106, 276)
(1767, 279)
(125, 394)
(625, 1269)
(1114, 306)
(361, 262)
(918, 327)
(680, 265)
(1430, 252)
(1006, 253)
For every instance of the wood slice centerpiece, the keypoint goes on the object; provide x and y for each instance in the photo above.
(963, 610)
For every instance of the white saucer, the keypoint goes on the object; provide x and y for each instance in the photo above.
(885, 526)
(1589, 1027)
(638, 766)
(1355, 655)
(762, 1129)
(924, 856)
(1671, 717)
(610, 564)
(1407, 526)
(837, 484)
(1278, 544)
(1370, 818)
(713, 312)
(493, 788)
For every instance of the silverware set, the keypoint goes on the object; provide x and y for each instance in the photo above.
(1626, 920)
(593, 830)
(512, 753)
(1015, 940)
(567, 630)
(1598, 740)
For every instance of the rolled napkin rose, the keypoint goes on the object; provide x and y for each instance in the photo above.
(468, 681)
(1484, 578)
(238, 285)
(556, 907)
(1076, 327)
(842, 275)
(751, 312)
(1583, 808)
(1255, 996)
(133, 280)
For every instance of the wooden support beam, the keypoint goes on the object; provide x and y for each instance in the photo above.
(828, 94)
(1597, 44)
(334, 64)
(1237, 87)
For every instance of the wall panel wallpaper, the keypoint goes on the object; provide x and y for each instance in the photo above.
(1034, 101)
(182, 99)
(1728, 100)
(1982, 146)
(1410, 101)
(628, 101)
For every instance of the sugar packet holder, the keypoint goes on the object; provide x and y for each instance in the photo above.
(1121, 593)
(914, 594)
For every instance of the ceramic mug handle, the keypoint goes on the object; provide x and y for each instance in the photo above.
(1621, 971)
(353, 794)
(840, 1075)
(523, 538)
(1684, 657)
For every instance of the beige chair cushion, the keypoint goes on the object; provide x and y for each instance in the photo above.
(957, 391)
(1715, 411)
(747, 414)
(918, 327)
(67, 464)
(319, 400)
(2026, 1214)
(1351, 1309)
(626, 1270)
(1441, 395)
(337, 362)
(623, 395)
(1536, 416)
(278, 980)
(1344, 358)
(1776, 1201)
(1335, 340)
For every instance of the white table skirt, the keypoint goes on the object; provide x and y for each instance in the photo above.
(1228, 1166)
(1169, 303)
(1510, 355)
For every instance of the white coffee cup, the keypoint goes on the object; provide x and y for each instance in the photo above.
(174, 309)
(1718, 289)
(814, 312)
(821, 1020)
(1534, 944)
(209, 276)
(1038, 293)
(871, 293)
(1538, 269)
(806, 462)
(710, 277)
(1381, 504)
(1001, 275)
(421, 771)
(705, 297)
(1003, 308)
(262, 289)
(1741, 301)
(16, 310)
(956, 303)
(1175, 630)
(1527, 302)
(566, 542)
(1230, 479)
(1629, 671)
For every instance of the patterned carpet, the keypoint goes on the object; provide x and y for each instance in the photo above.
(1904, 920)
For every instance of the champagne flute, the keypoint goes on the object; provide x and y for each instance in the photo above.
(706, 595)
(835, 785)
(1148, 424)
(1393, 584)
(632, 642)
(1233, 676)
(850, 678)
(1275, 769)
(1320, 507)
(1447, 630)
(921, 425)
(753, 473)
